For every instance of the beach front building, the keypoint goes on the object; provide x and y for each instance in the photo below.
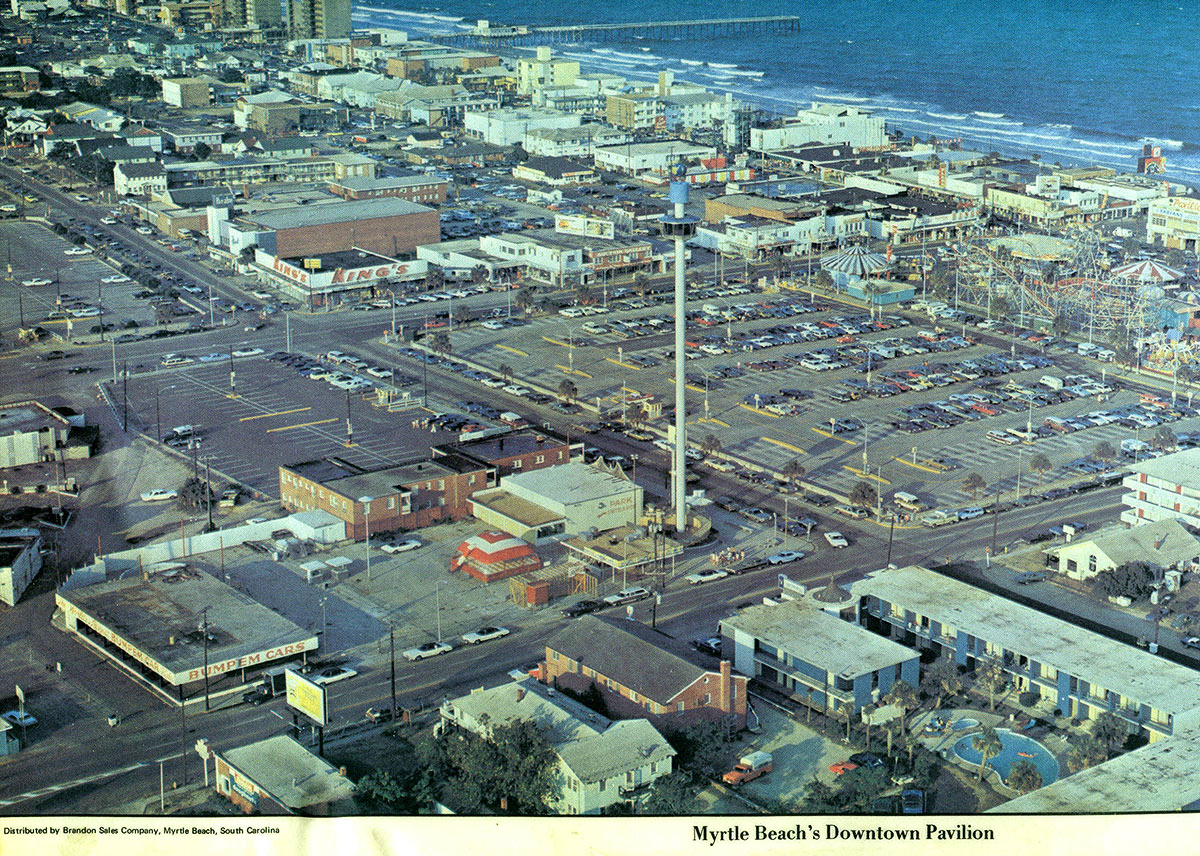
(815, 656)
(1174, 222)
(1077, 673)
(1162, 544)
(1166, 488)
(823, 123)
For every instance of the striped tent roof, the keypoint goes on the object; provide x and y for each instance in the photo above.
(1147, 270)
(494, 548)
(855, 261)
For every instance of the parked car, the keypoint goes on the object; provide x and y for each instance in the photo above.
(628, 595)
(400, 546)
(1190, 641)
(333, 674)
(866, 759)
(842, 767)
(912, 801)
(583, 607)
(427, 649)
(484, 634)
(711, 645)
(19, 717)
(785, 556)
(159, 494)
(706, 576)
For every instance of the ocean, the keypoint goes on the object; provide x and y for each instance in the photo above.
(1076, 82)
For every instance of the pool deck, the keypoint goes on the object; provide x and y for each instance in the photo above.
(943, 742)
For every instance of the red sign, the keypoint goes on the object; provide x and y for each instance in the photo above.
(342, 275)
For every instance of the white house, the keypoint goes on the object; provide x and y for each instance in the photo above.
(823, 123)
(139, 179)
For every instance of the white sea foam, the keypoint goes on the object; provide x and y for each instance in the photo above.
(722, 65)
(988, 115)
(957, 117)
(1159, 141)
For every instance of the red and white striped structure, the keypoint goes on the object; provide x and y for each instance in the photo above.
(493, 555)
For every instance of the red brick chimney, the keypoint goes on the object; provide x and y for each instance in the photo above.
(724, 692)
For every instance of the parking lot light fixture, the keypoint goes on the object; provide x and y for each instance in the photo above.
(366, 504)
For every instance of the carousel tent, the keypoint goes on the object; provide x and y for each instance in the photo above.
(1146, 270)
(855, 262)
(493, 555)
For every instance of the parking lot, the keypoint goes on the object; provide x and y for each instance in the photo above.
(911, 407)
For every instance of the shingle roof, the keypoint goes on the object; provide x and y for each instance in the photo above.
(633, 656)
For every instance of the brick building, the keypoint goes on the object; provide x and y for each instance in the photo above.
(643, 673)
(385, 226)
(404, 497)
(414, 188)
(513, 452)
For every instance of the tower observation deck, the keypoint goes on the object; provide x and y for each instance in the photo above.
(487, 34)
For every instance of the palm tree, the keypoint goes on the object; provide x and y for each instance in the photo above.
(943, 678)
(974, 483)
(903, 695)
(640, 281)
(1085, 752)
(1108, 730)
(440, 343)
(987, 744)
(863, 495)
(636, 415)
(1024, 777)
(710, 446)
(794, 471)
(479, 275)
(435, 279)
(992, 676)
(567, 390)
(1164, 439)
(523, 301)
(1104, 453)
(506, 372)
(873, 289)
(1041, 465)
(846, 711)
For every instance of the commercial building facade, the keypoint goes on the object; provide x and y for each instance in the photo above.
(20, 562)
(1164, 488)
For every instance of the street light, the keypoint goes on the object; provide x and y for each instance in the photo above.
(366, 503)
(437, 600)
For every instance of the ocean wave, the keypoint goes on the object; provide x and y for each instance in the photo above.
(1174, 145)
(957, 117)
(691, 62)
(450, 19)
(1001, 122)
(1100, 144)
(721, 65)
(888, 108)
(741, 73)
(641, 57)
(984, 115)
(1065, 127)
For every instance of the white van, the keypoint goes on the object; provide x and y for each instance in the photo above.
(907, 501)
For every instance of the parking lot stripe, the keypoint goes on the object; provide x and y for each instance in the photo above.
(832, 436)
(865, 475)
(301, 425)
(916, 466)
(694, 388)
(556, 342)
(514, 350)
(785, 445)
(753, 409)
(624, 365)
(569, 370)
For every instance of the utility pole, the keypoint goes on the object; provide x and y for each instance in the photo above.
(125, 397)
(392, 649)
(204, 629)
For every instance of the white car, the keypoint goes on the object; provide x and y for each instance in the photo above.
(33, 282)
(517, 389)
(247, 352)
(428, 649)
(159, 494)
(108, 221)
(145, 230)
(836, 539)
(629, 595)
(375, 371)
(401, 546)
(705, 577)
(210, 358)
(484, 634)
(78, 251)
(785, 556)
(19, 717)
(333, 674)
(492, 382)
(115, 278)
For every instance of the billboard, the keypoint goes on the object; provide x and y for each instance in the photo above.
(306, 697)
(585, 226)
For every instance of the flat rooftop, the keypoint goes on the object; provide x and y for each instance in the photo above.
(344, 259)
(837, 646)
(514, 507)
(27, 417)
(571, 483)
(1175, 468)
(349, 480)
(290, 773)
(506, 445)
(161, 617)
(335, 212)
(1160, 777)
(1130, 671)
(388, 182)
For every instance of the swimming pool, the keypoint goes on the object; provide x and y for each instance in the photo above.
(964, 724)
(1013, 744)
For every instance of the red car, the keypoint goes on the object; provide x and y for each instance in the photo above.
(842, 767)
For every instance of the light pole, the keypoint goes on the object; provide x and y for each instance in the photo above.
(681, 227)
(204, 630)
(366, 504)
(437, 607)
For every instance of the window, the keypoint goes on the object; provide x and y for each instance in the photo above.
(603, 782)
(517, 464)
(1072, 565)
(708, 698)
(554, 655)
(1092, 564)
(680, 707)
(391, 503)
(539, 459)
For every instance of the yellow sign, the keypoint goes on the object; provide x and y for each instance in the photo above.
(306, 697)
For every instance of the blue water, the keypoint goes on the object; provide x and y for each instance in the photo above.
(1075, 81)
(1046, 763)
(964, 724)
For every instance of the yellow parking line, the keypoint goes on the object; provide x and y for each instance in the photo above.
(514, 350)
(753, 409)
(916, 466)
(833, 436)
(864, 475)
(301, 425)
(622, 365)
(717, 421)
(784, 445)
(569, 370)
(694, 388)
(555, 342)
